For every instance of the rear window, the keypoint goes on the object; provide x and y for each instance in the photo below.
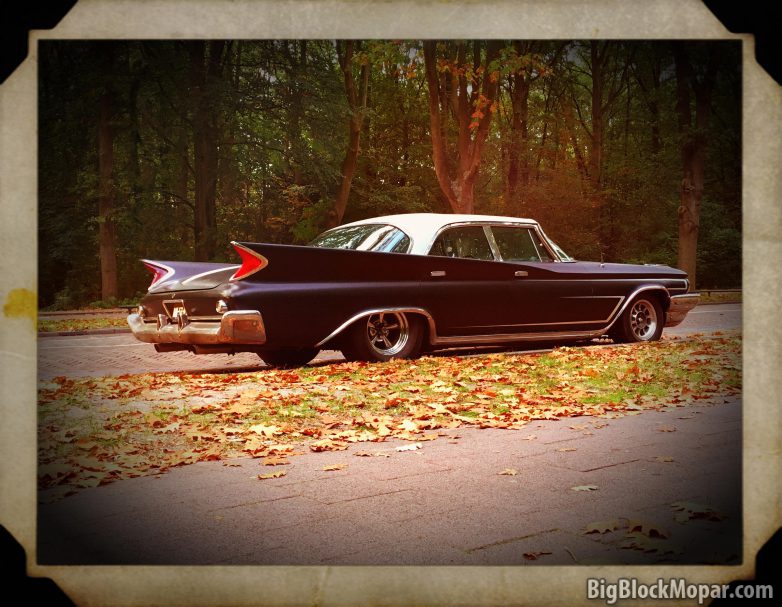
(382, 238)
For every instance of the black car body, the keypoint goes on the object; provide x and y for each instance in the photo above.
(394, 286)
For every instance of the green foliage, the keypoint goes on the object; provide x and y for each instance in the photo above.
(280, 118)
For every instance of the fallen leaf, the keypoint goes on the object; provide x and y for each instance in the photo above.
(509, 472)
(666, 429)
(604, 526)
(333, 467)
(268, 431)
(277, 474)
(533, 556)
(647, 529)
(585, 488)
(328, 445)
(690, 510)
(638, 541)
(665, 459)
(372, 454)
(275, 460)
(567, 449)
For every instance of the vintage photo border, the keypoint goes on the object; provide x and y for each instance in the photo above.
(396, 19)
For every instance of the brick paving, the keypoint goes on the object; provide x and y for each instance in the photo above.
(86, 355)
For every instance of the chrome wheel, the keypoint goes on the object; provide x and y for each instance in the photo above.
(388, 332)
(643, 320)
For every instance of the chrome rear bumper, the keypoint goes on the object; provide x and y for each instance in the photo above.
(234, 327)
(680, 306)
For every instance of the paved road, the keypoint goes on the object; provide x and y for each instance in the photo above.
(94, 355)
(444, 504)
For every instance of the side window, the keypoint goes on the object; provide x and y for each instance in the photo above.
(468, 242)
(519, 244)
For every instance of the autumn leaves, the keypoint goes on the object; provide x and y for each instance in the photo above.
(94, 431)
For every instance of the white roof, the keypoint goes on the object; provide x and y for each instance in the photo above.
(421, 227)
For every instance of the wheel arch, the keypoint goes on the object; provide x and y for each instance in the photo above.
(429, 325)
(659, 292)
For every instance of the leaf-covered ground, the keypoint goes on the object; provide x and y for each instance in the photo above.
(93, 431)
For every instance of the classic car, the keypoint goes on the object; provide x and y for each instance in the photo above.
(399, 285)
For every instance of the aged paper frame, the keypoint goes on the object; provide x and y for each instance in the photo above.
(206, 585)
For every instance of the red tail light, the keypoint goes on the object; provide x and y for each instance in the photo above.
(159, 271)
(251, 262)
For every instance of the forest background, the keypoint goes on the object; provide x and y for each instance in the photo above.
(625, 151)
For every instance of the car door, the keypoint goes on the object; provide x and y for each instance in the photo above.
(542, 295)
(464, 288)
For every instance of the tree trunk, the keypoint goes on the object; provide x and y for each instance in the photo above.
(693, 152)
(518, 154)
(106, 199)
(205, 66)
(596, 147)
(472, 111)
(357, 101)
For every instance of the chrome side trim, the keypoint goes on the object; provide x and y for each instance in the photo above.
(435, 340)
(237, 326)
(570, 322)
(511, 337)
(202, 274)
(495, 249)
(366, 313)
(680, 307)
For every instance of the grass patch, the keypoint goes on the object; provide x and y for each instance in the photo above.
(720, 297)
(82, 324)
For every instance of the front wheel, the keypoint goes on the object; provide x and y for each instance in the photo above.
(642, 321)
(289, 357)
(383, 336)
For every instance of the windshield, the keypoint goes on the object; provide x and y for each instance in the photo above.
(381, 238)
(557, 249)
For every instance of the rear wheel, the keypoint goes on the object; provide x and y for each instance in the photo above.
(289, 357)
(383, 336)
(642, 321)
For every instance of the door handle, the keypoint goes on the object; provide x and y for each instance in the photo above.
(437, 273)
(520, 273)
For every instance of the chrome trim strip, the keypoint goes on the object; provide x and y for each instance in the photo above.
(169, 273)
(366, 313)
(202, 274)
(511, 337)
(679, 307)
(237, 326)
(495, 249)
(434, 340)
(569, 322)
(264, 261)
